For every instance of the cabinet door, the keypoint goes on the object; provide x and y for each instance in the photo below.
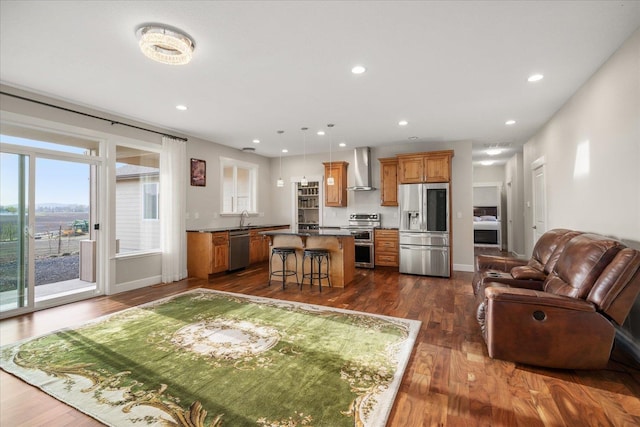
(220, 252)
(411, 169)
(437, 168)
(255, 247)
(336, 194)
(389, 182)
(199, 254)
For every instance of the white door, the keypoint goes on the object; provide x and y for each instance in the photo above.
(509, 218)
(539, 202)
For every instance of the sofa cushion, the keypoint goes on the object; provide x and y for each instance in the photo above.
(580, 264)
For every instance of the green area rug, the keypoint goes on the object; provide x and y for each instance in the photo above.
(209, 358)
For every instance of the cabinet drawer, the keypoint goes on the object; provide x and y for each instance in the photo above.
(385, 259)
(387, 245)
(220, 239)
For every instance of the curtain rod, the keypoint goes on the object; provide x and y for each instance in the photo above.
(113, 122)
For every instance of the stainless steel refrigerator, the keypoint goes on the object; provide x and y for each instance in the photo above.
(424, 229)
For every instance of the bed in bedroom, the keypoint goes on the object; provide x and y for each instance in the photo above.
(486, 226)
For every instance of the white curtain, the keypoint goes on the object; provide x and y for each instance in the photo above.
(173, 187)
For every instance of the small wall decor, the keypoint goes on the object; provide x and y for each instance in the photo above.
(198, 173)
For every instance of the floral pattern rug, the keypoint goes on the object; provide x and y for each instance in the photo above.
(210, 358)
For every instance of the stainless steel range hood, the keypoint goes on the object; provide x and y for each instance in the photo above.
(362, 170)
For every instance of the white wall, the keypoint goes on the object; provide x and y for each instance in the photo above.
(488, 173)
(599, 192)
(204, 204)
(515, 210)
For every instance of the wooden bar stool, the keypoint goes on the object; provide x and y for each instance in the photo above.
(317, 255)
(283, 252)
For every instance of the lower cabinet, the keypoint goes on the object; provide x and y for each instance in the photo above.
(259, 249)
(207, 253)
(386, 248)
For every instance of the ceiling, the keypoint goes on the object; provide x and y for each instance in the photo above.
(454, 70)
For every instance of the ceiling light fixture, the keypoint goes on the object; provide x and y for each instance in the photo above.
(330, 180)
(165, 45)
(284, 150)
(413, 138)
(320, 132)
(280, 181)
(358, 69)
(486, 162)
(535, 78)
(304, 182)
(403, 123)
(510, 122)
(342, 144)
(181, 107)
(256, 141)
(494, 151)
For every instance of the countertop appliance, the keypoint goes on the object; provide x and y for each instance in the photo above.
(361, 226)
(238, 249)
(424, 229)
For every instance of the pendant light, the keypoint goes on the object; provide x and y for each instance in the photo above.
(304, 182)
(280, 181)
(330, 180)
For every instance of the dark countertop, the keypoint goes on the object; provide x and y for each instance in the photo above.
(237, 228)
(326, 232)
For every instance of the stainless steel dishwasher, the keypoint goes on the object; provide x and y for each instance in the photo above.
(238, 249)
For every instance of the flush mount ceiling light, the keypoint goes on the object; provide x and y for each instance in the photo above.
(181, 107)
(494, 151)
(165, 45)
(535, 78)
(510, 122)
(486, 162)
(403, 123)
(256, 141)
(358, 69)
(342, 144)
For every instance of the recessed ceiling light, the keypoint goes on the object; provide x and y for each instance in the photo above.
(403, 123)
(181, 107)
(284, 150)
(510, 122)
(342, 144)
(320, 132)
(164, 45)
(494, 151)
(358, 69)
(486, 162)
(256, 141)
(535, 78)
(413, 138)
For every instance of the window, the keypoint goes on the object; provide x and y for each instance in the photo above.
(238, 186)
(150, 201)
(137, 195)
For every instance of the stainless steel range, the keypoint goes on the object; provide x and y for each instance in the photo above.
(361, 226)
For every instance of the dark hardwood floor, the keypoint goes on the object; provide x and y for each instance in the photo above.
(449, 381)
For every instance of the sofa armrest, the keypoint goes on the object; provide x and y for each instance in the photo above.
(535, 297)
(542, 329)
(491, 262)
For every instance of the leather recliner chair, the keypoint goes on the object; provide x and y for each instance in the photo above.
(521, 273)
(570, 322)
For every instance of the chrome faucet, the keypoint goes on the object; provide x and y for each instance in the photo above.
(244, 214)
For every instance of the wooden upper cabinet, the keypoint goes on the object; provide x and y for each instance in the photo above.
(388, 181)
(335, 195)
(433, 166)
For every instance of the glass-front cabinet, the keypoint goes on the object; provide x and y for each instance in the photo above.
(308, 206)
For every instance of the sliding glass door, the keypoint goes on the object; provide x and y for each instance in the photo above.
(14, 225)
(47, 216)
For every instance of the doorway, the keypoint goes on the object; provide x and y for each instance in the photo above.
(539, 199)
(47, 217)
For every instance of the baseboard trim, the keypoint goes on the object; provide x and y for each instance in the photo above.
(136, 284)
(463, 267)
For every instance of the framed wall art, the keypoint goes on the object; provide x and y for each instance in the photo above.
(198, 173)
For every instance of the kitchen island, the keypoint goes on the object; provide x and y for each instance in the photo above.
(340, 244)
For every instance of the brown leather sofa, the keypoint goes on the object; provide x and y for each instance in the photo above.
(569, 322)
(521, 273)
